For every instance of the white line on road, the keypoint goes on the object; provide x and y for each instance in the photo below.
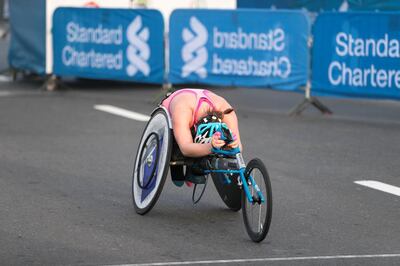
(5, 93)
(265, 260)
(380, 186)
(122, 112)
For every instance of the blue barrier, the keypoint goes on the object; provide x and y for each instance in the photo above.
(374, 5)
(28, 35)
(311, 5)
(320, 5)
(119, 44)
(357, 54)
(239, 48)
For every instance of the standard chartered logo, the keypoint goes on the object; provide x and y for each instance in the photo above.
(368, 72)
(138, 51)
(92, 38)
(234, 52)
(251, 49)
(194, 53)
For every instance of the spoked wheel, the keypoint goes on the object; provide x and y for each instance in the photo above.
(257, 215)
(152, 161)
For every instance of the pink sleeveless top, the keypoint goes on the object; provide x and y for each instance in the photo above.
(201, 97)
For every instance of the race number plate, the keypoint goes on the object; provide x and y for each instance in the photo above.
(240, 160)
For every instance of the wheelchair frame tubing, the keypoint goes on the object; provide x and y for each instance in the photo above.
(244, 182)
(253, 184)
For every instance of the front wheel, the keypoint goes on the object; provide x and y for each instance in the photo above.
(257, 215)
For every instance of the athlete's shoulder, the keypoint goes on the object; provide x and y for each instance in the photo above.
(216, 97)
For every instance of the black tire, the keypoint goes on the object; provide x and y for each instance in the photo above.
(263, 222)
(230, 193)
(146, 193)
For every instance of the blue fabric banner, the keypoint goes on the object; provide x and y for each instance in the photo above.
(239, 48)
(387, 5)
(28, 35)
(310, 5)
(116, 44)
(357, 54)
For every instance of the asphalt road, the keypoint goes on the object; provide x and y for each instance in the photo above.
(65, 182)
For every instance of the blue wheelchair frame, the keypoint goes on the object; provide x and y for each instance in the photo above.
(241, 171)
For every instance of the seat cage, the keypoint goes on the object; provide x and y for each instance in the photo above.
(177, 157)
(166, 111)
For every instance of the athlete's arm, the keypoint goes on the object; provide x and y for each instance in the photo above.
(232, 122)
(181, 119)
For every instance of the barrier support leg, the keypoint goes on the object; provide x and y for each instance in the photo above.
(309, 100)
(166, 87)
(14, 74)
(53, 83)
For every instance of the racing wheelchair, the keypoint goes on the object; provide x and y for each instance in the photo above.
(240, 186)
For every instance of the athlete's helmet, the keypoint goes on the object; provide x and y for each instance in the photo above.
(207, 126)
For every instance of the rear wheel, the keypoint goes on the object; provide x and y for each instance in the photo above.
(257, 215)
(152, 161)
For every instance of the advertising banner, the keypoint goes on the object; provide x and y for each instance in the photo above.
(239, 48)
(117, 44)
(52, 5)
(357, 54)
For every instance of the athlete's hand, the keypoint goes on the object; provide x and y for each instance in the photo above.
(234, 143)
(216, 140)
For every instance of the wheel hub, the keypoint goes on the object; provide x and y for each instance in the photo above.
(149, 160)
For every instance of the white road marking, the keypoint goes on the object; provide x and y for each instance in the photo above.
(122, 112)
(4, 78)
(380, 186)
(265, 260)
(5, 93)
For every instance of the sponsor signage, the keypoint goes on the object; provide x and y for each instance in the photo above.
(357, 54)
(118, 44)
(52, 5)
(239, 48)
